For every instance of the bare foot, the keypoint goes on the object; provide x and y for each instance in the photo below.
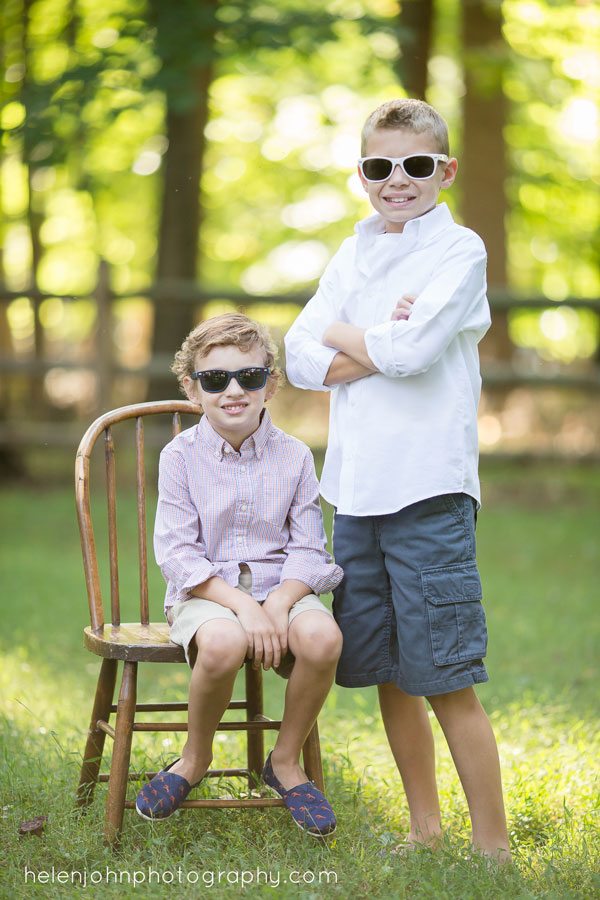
(432, 842)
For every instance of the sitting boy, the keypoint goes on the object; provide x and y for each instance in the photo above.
(401, 463)
(239, 539)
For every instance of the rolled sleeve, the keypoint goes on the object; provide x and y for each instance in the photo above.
(180, 552)
(454, 301)
(307, 559)
(307, 359)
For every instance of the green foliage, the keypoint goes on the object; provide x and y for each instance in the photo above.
(84, 102)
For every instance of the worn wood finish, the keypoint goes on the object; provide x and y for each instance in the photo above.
(94, 747)
(256, 740)
(117, 783)
(113, 552)
(251, 727)
(140, 478)
(133, 641)
(311, 756)
(146, 641)
(225, 803)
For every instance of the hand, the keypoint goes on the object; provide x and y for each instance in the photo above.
(403, 308)
(277, 609)
(263, 640)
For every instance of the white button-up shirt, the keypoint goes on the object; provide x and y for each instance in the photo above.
(218, 508)
(409, 431)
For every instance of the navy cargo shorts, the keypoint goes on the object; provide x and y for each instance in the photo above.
(409, 605)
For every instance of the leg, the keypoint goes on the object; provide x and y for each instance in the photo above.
(221, 647)
(119, 767)
(255, 739)
(316, 642)
(94, 747)
(411, 739)
(473, 748)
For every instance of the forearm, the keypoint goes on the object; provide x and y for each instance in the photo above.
(349, 340)
(217, 590)
(290, 591)
(344, 369)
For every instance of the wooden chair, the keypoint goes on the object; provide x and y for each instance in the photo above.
(147, 642)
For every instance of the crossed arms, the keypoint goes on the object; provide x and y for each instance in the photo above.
(352, 361)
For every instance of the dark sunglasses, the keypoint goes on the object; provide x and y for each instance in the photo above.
(417, 167)
(214, 381)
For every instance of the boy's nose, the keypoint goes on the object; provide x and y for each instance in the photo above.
(398, 176)
(234, 388)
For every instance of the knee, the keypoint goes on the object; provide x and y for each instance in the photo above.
(221, 648)
(464, 700)
(318, 642)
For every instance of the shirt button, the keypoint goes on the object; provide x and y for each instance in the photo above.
(239, 540)
(244, 507)
(242, 468)
(227, 450)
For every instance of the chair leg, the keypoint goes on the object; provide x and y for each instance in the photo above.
(92, 757)
(119, 769)
(256, 739)
(311, 755)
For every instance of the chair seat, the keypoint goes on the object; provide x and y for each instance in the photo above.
(133, 642)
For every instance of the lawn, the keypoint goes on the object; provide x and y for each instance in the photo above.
(539, 557)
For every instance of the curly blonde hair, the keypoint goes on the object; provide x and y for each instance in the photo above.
(229, 329)
(414, 115)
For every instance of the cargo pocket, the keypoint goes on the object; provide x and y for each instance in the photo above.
(456, 616)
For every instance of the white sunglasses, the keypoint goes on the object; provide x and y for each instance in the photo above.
(418, 166)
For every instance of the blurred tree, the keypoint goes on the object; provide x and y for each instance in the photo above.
(483, 157)
(416, 31)
(90, 147)
(202, 39)
(185, 44)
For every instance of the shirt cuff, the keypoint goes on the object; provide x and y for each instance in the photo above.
(320, 578)
(310, 373)
(378, 341)
(200, 574)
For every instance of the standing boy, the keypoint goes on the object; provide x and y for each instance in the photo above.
(239, 538)
(393, 332)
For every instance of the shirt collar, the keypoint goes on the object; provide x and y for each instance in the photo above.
(255, 443)
(421, 229)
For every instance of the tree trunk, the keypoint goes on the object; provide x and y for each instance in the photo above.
(483, 164)
(181, 216)
(416, 26)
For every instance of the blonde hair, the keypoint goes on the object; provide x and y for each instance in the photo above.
(414, 115)
(229, 329)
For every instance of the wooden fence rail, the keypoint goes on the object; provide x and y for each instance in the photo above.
(497, 374)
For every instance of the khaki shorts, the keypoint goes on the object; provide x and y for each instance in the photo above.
(186, 617)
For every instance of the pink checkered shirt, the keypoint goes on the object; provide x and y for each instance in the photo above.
(218, 508)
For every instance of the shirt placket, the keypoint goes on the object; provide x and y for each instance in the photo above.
(240, 464)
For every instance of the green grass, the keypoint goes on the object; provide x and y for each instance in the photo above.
(539, 558)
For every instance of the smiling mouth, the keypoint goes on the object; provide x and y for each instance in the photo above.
(398, 201)
(234, 407)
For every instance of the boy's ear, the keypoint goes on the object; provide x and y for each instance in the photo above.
(190, 388)
(272, 385)
(363, 180)
(449, 173)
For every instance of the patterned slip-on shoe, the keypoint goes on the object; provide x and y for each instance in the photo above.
(310, 810)
(159, 799)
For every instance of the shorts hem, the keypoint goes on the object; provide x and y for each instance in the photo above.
(414, 689)
(445, 686)
(368, 679)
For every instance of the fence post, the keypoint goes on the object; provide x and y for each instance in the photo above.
(104, 337)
